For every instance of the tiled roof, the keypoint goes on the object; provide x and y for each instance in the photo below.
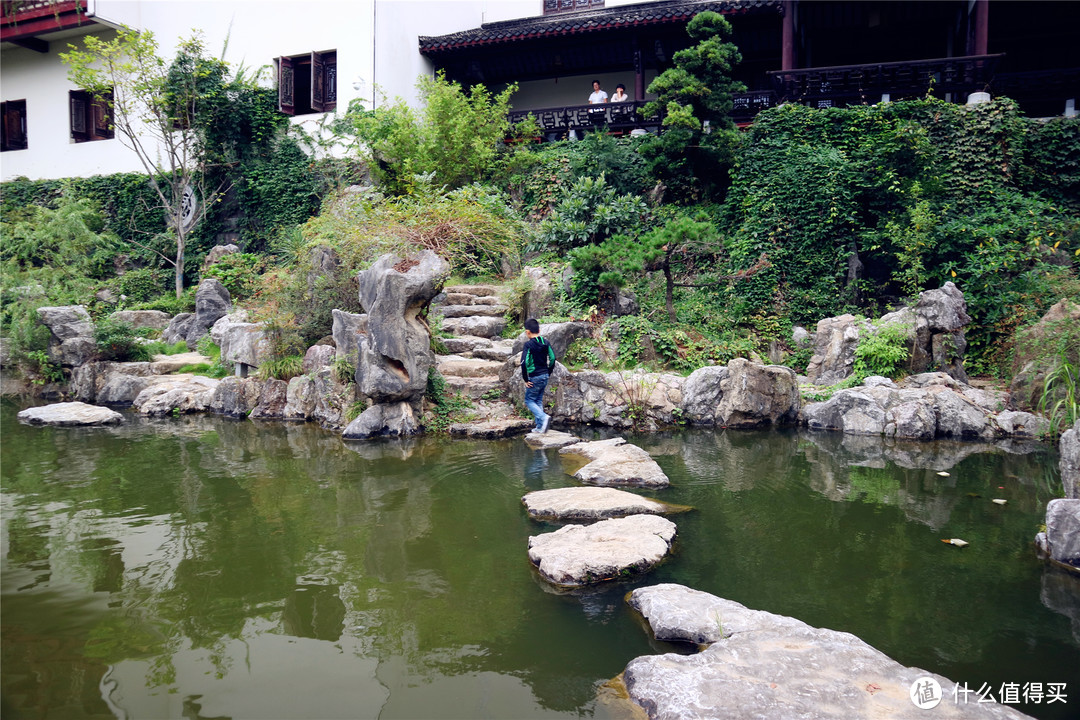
(589, 21)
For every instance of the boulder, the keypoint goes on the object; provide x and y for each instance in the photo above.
(318, 357)
(608, 550)
(1033, 362)
(801, 337)
(235, 397)
(396, 419)
(212, 302)
(241, 341)
(171, 394)
(620, 302)
(559, 335)
(178, 328)
(1021, 424)
(492, 428)
(71, 341)
(753, 395)
(1061, 541)
(216, 253)
(588, 504)
(771, 666)
(615, 462)
(834, 349)
(851, 411)
(349, 329)
(155, 319)
(701, 395)
(70, 414)
(272, 401)
(395, 355)
(1069, 462)
(550, 439)
(540, 297)
(301, 397)
(944, 309)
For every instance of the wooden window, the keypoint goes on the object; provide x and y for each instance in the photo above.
(91, 117)
(14, 125)
(307, 83)
(560, 6)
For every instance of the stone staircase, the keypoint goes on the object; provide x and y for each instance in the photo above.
(476, 318)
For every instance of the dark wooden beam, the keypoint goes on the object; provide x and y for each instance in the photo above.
(35, 44)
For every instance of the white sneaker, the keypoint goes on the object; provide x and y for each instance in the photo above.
(544, 427)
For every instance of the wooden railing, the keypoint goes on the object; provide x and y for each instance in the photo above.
(845, 84)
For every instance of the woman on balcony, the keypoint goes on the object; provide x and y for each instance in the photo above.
(620, 94)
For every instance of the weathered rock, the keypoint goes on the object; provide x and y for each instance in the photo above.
(349, 329)
(216, 253)
(396, 419)
(834, 349)
(485, 327)
(1021, 424)
(142, 318)
(608, 550)
(1069, 462)
(559, 336)
(476, 310)
(550, 439)
(395, 355)
(176, 394)
(1032, 362)
(619, 303)
(615, 462)
(753, 395)
(451, 365)
(801, 337)
(492, 429)
(771, 666)
(944, 309)
(851, 411)
(272, 401)
(235, 397)
(701, 395)
(959, 417)
(590, 504)
(70, 414)
(539, 298)
(71, 342)
(318, 357)
(178, 328)
(301, 396)
(165, 364)
(1061, 541)
(241, 341)
(676, 613)
(212, 302)
(465, 344)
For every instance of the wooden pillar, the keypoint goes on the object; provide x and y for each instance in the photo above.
(982, 26)
(787, 52)
(639, 72)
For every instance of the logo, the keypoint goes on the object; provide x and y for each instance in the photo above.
(925, 693)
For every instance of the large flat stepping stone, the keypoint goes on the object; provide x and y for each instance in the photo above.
(550, 439)
(465, 344)
(474, 290)
(592, 503)
(772, 666)
(615, 462)
(486, 327)
(608, 550)
(492, 429)
(70, 414)
(473, 387)
(164, 364)
(452, 365)
(459, 311)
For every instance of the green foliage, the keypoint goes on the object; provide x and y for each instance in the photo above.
(696, 96)
(447, 408)
(119, 341)
(1051, 160)
(40, 368)
(455, 136)
(282, 368)
(1060, 401)
(169, 303)
(343, 370)
(590, 212)
(882, 352)
(157, 347)
(142, 285)
(239, 273)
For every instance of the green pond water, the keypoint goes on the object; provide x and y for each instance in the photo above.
(198, 567)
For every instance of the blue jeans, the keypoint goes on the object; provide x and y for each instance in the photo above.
(534, 398)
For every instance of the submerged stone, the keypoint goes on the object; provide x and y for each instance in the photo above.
(591, 503)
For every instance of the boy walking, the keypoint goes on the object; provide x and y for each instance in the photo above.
(537, 363)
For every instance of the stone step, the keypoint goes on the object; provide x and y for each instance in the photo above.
(466, 344)
(474, 290)
(493, 428)
(456, 311)
(497, 353)
(485, 327)
(473, 387)
(455, 298)
(457, 366)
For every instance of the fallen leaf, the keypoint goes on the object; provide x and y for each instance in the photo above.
(873, 688)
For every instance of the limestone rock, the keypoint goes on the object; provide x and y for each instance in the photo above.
(616, 462)
(177, 329)
(590, 503)
(395, 355)
(272, 401)
(559, 335)
(1022, 424)
(538, 300)
(301, 396)
(235, 397)
(485, 327)
(69, 414)
(944, 309)
(465, 344)
(71, 341)
(834, 349)
(142, 318)
(801, 337)
(240, 341)
(396, 419)
(349, 329)
(319, 356)
(460, 311)
(216, 253)
(608, 550)
(771, 666)
(550, 439)
(212, 301)
(701, 394)
(176, 394)
(1069, 462)
(1061, 541)
(753, 395)
(492, 429)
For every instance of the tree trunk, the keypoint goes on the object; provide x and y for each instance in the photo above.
(179, 263)
(669, 291)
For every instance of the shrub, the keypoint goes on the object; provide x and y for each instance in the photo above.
(118, 341)
(588, 214)
(882, 352)
(239, 273)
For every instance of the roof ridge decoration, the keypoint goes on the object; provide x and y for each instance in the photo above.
(589, 21)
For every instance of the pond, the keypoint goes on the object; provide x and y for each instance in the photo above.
(199, 567)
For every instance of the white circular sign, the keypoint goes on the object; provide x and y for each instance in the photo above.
(925, 693)
(189, 205)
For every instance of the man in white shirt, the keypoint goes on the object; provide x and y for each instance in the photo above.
(598, 96)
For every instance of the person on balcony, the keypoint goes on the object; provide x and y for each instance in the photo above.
(620, 94)
(598, 96)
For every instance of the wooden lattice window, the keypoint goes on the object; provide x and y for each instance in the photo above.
(14, 125)
(307, 83)
(559, 6)
(91, 116)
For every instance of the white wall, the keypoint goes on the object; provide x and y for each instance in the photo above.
(574, 89)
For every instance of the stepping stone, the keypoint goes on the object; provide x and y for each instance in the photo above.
(487, 327)
(608, 550)
(475, 290)
(498, 353)
(550, 439)
(460, 311)
(465, 344)
(615, 462)
(473, 387)
(70, 414)
(492, 429)
(468, 367)
(592, 503)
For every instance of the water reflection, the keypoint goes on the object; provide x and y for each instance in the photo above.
(203, 567)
